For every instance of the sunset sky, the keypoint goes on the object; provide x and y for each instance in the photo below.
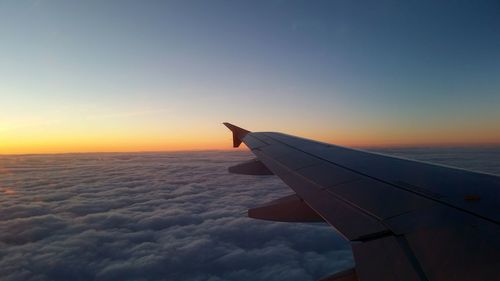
(81, 76)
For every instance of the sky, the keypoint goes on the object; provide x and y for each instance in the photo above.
(80, 76)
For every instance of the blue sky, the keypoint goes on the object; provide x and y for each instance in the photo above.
(352, 72)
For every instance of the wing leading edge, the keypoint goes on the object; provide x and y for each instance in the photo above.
(405, 220)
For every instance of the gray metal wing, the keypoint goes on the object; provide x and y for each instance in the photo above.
(405, 220)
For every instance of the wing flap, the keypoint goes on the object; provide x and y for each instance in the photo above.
(386, 259)
(451, 245)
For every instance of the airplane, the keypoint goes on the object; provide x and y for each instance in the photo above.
(405, 220)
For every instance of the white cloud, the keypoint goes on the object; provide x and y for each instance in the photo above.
(167, 216)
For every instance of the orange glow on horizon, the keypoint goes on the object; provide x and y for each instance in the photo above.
(221, 140)
(132, 144)
(133, 134)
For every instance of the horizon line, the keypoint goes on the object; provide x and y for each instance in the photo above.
(368, 147)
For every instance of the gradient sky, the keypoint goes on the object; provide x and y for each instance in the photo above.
(80, 76)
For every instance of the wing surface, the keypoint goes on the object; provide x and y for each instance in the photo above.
(405, 220)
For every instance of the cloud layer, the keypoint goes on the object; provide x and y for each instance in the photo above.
(162, 216)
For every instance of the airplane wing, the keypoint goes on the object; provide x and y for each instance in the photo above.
(405, 220)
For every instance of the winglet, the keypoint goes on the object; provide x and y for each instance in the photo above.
(238, 133)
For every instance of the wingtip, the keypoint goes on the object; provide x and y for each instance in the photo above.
(228, 125)
(238, 133)
(235, 128)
